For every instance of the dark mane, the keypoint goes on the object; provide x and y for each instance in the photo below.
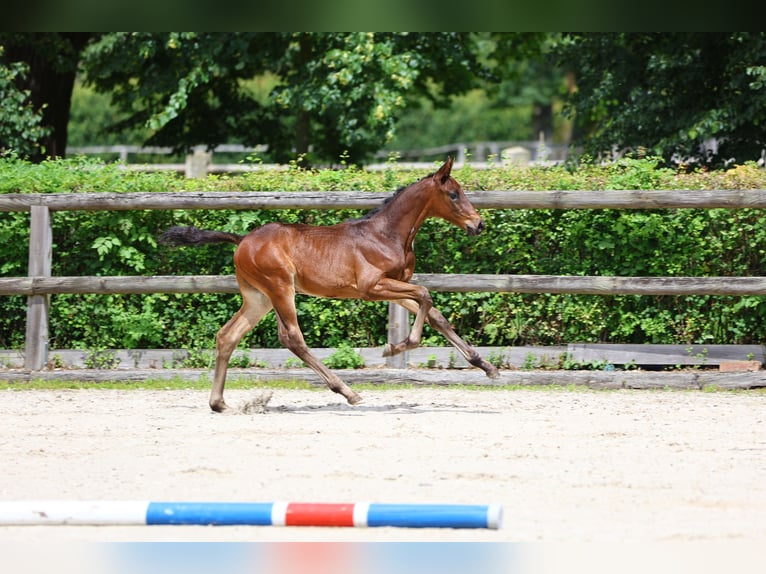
(386, 201)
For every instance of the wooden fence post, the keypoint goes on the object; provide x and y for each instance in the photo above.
(40, 254)
(461, 153)
(398, 329)
(197, 162)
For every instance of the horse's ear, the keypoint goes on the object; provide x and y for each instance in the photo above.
(444, 170)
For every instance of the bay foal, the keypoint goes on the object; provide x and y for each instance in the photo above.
(370, 258)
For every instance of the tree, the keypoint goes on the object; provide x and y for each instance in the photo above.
(334, 93)
(515, 103)
(43, 66)
(20, 123)
(690, 97)
(527, 77)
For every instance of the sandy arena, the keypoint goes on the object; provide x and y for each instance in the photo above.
(567, 466)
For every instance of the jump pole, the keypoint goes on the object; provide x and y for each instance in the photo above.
(142, 513)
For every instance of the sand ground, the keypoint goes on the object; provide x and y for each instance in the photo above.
(566, 465)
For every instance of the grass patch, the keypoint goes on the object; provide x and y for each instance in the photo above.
(203, 384)
(171, 384)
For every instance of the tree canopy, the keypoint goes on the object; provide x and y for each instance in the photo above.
(20, 131)
(689, 97)
(332, 93)
(698, 98)
(42, 67)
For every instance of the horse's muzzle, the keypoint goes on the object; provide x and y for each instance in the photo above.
(475, 229)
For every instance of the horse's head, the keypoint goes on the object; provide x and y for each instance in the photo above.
(450, 202)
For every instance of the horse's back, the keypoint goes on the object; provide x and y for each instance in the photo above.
(319, 260)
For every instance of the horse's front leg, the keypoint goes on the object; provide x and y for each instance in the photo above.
(439, 322)
(405, 294)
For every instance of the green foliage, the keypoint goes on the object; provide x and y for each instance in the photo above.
(669, 93)
(101, 359)
(198, 359)
(345, 357)
(472, 117)
(524, 99)
(42, 66)
(315, 96)
(682, 242)
(92, 121)
(330, 92)
(21, 126)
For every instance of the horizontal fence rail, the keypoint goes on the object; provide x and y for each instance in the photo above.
(580, 285)
(39, 285)
(493, 199)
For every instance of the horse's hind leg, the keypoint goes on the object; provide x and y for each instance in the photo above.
(254, 306)
(439, 322)
(290, 336)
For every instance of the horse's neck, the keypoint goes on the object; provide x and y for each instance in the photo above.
(405, 213)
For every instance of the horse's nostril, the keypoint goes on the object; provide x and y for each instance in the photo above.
(475, 230)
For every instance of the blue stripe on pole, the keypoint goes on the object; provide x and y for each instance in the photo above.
(429, 516)
(207, 513)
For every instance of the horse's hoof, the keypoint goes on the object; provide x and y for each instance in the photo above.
(354, 399)
(388, 350)
(493, 374)
(221, 407)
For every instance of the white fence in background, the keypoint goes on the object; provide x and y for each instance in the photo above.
(200, 161)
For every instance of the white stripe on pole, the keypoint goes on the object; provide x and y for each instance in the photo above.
(24, 512)
(360, 514)
(279, 513)
(495, 516)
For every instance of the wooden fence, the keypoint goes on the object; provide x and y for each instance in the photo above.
(200, 161)
(39, 285)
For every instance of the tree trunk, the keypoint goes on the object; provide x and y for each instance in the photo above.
(52, 60)
(303, 123)
(302, 132)
(542, 121)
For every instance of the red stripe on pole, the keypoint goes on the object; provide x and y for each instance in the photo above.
(313, 514)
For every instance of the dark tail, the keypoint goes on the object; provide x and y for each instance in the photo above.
(176, 236)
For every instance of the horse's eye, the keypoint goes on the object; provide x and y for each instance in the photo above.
(453, 195)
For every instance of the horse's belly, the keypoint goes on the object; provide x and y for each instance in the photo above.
(329, 291)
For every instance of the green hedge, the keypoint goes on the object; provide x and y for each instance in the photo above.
(684, 242)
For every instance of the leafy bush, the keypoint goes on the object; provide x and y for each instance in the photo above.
(345, 357)
(683, 242)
